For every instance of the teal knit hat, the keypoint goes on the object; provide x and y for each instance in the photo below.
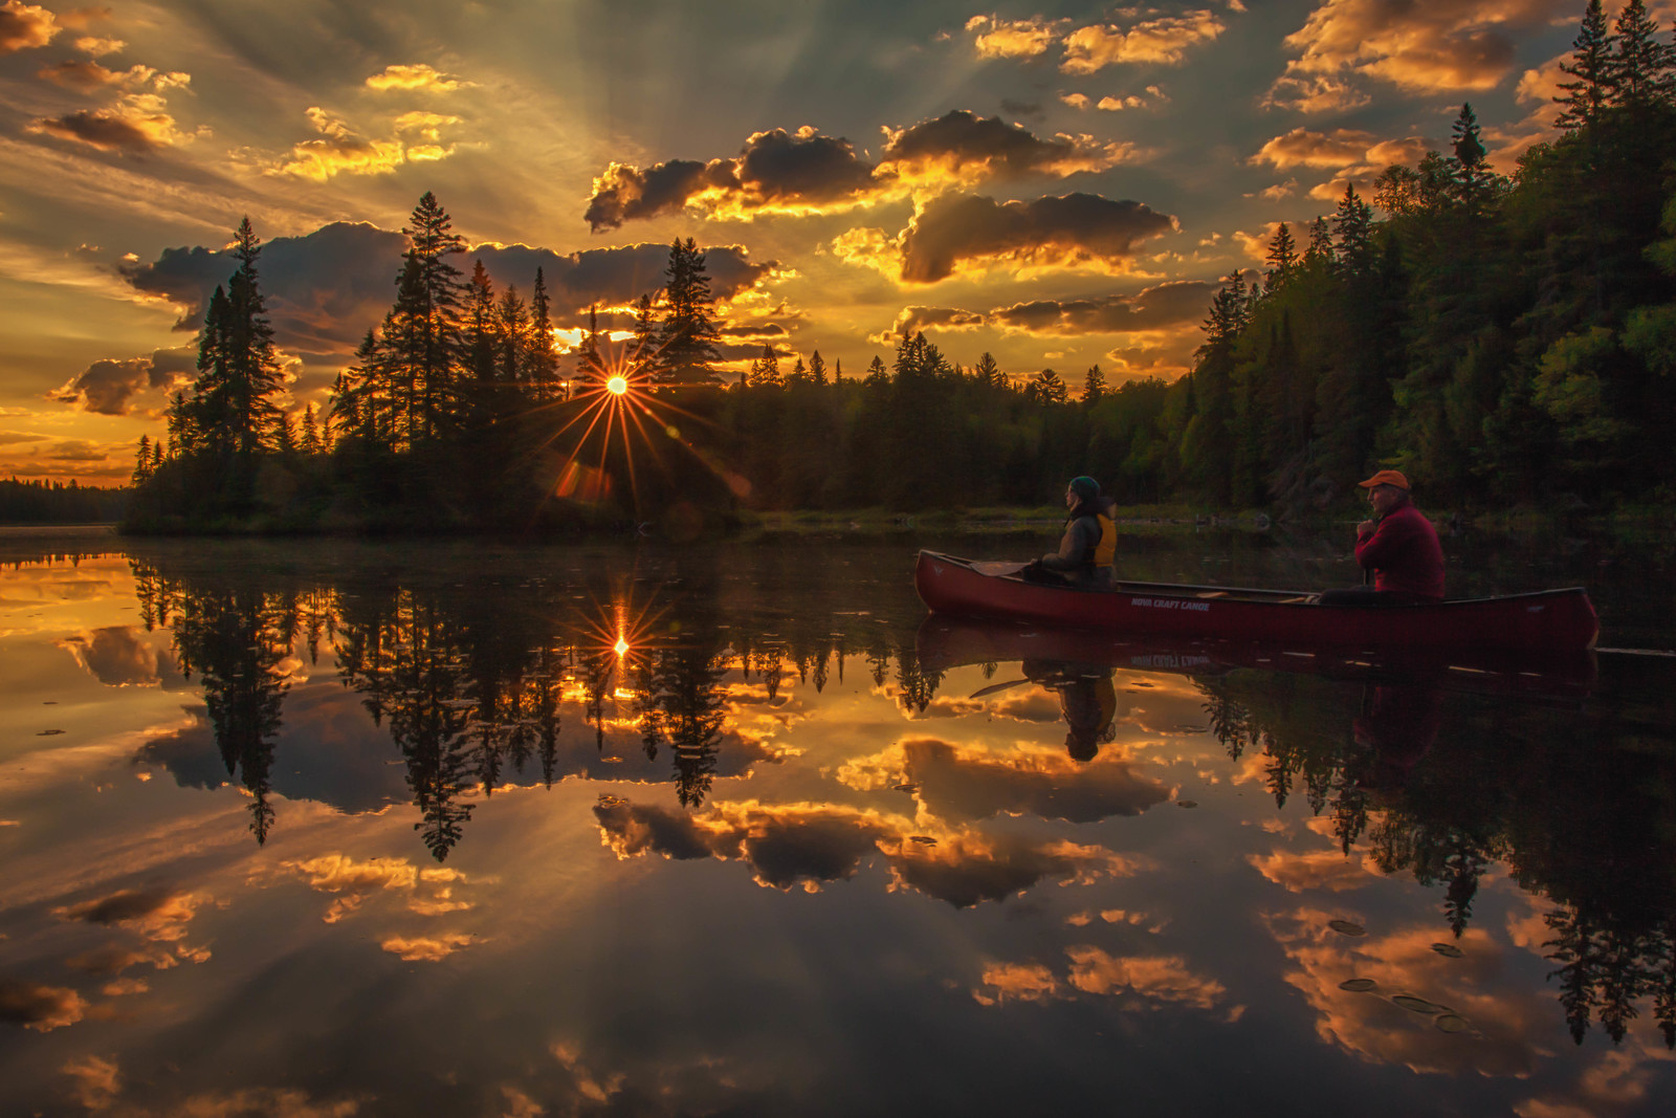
(1086, 489)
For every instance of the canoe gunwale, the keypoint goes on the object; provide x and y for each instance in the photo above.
(1558, 619)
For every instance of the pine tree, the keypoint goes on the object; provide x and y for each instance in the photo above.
(798, 375)
(643, 349)
(309, 441)
(689, 334)
(512, 321)
(1592, 65)
(1473, 178)
(1320, 249)
(817, 370)
(1093, 386)
(765, 370)
(542, 363)
(876, 373)
(479, 328)
(142, 462)
(1048, 388)
(989, 372)
(424, 333)
(1282, 259)
(1641, 65)
(589, 363)
(253, 375)
(1353, 228)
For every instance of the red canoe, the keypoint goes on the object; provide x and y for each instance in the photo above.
(1544, 622)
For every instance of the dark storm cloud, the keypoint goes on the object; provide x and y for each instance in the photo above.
(775, 170)
(804, 172)
(120, 907)
(968, 147)
(326, 289)
(100, 128)
(961, 785)
(106, 387)
(42, 1008)
(1071, 229)
(1167, 305)
(790, 845)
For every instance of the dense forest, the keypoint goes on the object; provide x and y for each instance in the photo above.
(57, 502)
(1504, 339)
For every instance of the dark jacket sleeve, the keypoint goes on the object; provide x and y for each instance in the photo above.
(1076, 548)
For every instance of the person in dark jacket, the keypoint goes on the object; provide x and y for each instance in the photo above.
(1074, 563)
(1398, 545)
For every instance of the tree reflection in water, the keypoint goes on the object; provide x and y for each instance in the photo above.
(469, 683)
(1444, 786)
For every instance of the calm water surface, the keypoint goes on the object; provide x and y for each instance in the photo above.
(318, 828)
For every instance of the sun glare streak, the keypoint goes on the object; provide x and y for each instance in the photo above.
(617, 385)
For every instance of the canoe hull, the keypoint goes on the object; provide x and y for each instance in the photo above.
(1548, 621)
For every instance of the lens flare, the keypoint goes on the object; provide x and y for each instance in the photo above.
(617, 385)
(621, 647)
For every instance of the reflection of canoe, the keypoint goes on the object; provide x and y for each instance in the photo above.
(1547, 621)
(949, 642)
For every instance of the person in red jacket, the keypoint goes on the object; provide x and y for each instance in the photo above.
(1398, 545)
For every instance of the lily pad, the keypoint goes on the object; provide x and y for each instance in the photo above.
(923, 840)
(1448, 950)
(1187, 803)
(1419, 1005)
(1346, 928)
(48, 733)
(1358, 985)
(906, 788)
(1451, 1023)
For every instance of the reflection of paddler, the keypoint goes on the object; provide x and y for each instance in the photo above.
(1087, 699)
(1399, 724)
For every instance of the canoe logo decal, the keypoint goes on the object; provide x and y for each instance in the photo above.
(1170, 603)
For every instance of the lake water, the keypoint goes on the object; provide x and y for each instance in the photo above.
(325, 828)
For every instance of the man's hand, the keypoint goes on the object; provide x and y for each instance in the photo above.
(1366, 526)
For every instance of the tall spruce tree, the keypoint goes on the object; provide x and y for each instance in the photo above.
(688, 339)
(1593, 71)
(423, 336)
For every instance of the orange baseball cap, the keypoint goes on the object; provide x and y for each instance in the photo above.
(1386, 477)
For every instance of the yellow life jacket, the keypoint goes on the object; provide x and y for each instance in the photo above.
(1105, 552)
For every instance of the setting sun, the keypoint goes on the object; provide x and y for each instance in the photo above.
(617, 385)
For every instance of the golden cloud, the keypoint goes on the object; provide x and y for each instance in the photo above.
(416, 76)
(340, 150)
(1028, 982)
(806, 845)
(427, 949)
(116, 655)
(1371, 1025)
(38, 1007)
(971, 233)
(1326, 870)
(23, 26)
(1156, 40)
(1301, 147)
(1425, 48)
(805, 173)
(1012, 38)
(97, 1081)
(1165, 978)
(138, 123)
(157, 914)
(353, 882)
(1162, 307)
(1160, 41)
(98, 47)
(1316, 94)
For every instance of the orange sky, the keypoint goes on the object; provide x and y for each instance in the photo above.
(1058, 184)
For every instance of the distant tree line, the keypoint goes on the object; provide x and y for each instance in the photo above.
(1500, 338)
(57, 502)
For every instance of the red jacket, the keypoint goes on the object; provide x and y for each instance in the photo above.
(1404, 554)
